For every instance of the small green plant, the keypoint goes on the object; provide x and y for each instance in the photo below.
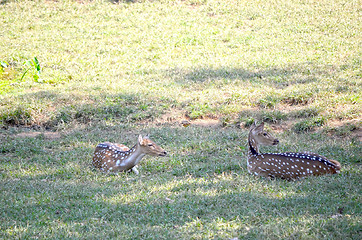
(18, 116)
(198, 110)
(308, 124)
(273, 116)
(247, 117)
(269, 101)
(248, 122)
(306, 112)
(225, 121)
(302, 97)
(34, 65)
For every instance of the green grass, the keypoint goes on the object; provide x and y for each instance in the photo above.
(75, 73)
(308, 124)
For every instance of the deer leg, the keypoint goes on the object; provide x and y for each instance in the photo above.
(134, 169)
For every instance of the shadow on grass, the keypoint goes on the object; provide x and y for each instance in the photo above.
(123, 107)
(292, 74)
(210, 74)
(190, 196)
(60, 207)
(131, 107)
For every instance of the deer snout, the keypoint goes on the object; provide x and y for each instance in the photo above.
(164, 153)
(276, 141)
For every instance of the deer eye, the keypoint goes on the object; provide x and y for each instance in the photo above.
(150, 144)
(265, 134)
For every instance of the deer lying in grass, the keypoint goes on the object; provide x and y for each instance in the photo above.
(284, 165)
(114, 157)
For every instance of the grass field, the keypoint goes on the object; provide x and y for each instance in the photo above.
(76, 73)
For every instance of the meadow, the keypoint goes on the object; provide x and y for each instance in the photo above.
(75, 73)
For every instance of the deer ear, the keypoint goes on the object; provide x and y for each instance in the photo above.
(140, 139)
(259, 128)
(253, 125)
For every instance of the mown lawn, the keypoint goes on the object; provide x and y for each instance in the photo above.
(76, 73)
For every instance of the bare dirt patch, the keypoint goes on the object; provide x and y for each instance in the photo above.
(347, 128)
(206, 122)
(171, 117)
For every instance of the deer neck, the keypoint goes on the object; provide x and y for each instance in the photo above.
(131, 157)
(253, 146)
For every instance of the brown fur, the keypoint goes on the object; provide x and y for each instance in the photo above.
(284, 165)
(114, 157)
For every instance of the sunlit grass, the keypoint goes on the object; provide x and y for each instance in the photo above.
(191, 52)
(110, 71)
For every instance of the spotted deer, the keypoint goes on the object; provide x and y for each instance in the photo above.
(287, 165)
(114, 157)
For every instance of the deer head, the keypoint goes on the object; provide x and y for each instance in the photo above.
(147, 146)
(262, 137)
